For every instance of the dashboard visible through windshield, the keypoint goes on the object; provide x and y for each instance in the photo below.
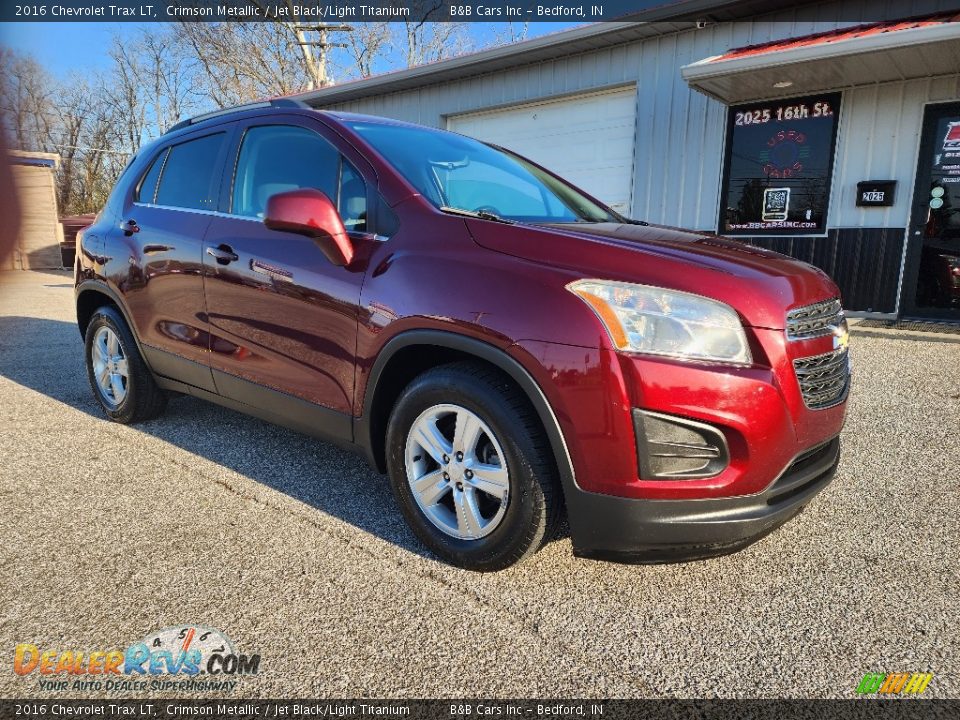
(458, 173)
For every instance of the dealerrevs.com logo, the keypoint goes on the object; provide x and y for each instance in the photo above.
(187, 657)
(894, 683)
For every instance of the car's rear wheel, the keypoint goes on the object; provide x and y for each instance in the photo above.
(120, 379)
(471, 467)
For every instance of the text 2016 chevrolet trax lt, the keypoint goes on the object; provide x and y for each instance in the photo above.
(504, 346)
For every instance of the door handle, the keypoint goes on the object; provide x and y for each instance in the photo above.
(130, 227)
(150, 249)
(223, 254)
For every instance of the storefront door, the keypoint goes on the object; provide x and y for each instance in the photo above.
(931, 286)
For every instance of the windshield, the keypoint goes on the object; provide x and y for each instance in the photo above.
(457, 172)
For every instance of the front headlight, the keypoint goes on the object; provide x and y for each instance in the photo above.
(645, 319)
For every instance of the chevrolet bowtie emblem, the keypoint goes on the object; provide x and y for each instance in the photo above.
(841, 337)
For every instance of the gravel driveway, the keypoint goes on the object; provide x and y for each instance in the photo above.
(294, 549)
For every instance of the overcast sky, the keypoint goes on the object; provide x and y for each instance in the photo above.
(62, 47)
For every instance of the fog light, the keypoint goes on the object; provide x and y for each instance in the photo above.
(673, 448)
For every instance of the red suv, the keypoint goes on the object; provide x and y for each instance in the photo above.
(505, 347)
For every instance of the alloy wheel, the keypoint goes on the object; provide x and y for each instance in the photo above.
(457, 471)
(110, 368)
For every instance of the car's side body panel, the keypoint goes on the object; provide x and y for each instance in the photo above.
(271, 405)
(281, 315)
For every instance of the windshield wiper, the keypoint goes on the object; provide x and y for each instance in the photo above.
(481, 214)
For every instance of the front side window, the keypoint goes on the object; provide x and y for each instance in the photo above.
(278, 158)
(189, 178)
(779, 165)
(454, 171)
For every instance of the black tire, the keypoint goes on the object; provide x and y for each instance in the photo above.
(534, 505)
(144, 399)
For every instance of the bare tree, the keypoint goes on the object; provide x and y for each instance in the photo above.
(84, 135)
(66, 138)
(400, 44)
(367, 44)
(152, 84)
(424, 41)
(240, 62)
(314, 56)
(73, 118)
(166, 69)
(125, 96)
(159, 76)
(510, 33)
(26, 107)
(100, 167)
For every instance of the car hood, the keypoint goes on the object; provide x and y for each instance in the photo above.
(760, 284)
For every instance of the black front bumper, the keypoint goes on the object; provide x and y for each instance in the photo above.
(651, 531)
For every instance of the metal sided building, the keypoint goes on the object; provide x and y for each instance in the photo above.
(829, 131)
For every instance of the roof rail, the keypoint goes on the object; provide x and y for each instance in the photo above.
(275, 102)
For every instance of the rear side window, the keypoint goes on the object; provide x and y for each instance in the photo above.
(189, 178)
(277, 158)
(148, 186)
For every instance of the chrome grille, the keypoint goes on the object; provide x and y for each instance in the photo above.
(810, 321)
(824, 379)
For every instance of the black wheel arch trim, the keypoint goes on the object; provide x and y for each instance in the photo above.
(101, 287)
(483, 351)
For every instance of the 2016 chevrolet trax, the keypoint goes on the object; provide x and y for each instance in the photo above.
(505, 347)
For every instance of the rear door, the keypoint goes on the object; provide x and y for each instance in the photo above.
(283, 318)
(157, 254)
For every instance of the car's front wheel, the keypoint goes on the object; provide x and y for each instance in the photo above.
(120, 379)
(472, 468)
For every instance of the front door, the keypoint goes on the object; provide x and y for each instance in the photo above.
(932, 283)
(283, 318)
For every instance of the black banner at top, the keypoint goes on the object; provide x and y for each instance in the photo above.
(359, 11)
(325, 11)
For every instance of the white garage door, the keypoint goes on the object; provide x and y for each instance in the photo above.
(587, 139)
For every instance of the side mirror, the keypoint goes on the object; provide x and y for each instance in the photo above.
(309, 212)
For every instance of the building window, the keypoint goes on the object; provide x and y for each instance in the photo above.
(778, 167)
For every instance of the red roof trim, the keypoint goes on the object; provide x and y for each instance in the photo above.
(832, 36)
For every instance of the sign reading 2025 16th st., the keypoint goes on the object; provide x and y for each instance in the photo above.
(778, 166)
